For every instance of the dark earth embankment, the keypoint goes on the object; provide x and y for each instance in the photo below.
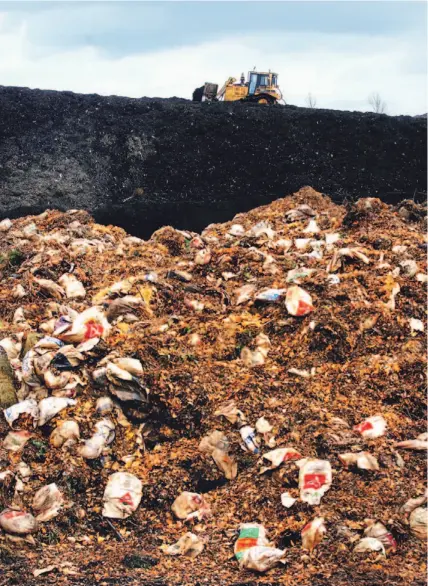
(145, 163)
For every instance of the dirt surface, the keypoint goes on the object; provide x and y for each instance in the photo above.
(366, 359)
(145, 163)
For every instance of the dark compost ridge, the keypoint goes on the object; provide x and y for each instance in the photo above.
(144, 163)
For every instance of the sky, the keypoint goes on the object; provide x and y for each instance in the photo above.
(340, 52)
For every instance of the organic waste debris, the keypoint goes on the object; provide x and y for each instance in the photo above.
(242, 406)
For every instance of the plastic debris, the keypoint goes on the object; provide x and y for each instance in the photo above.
(298, 301)
(91, 323)
(270, 295)
(5, 225)
(122, 495)
(369, 544)
(315, 479)
(16, 440)
(51, 406)
(217, 446)
(104, 405)
(190, 505)
(189, 545)
(231, 412)
(250, 441)
(420, 443)
(264, 428)
(24, 410)
(411, 504)
(18, 522)
(379, 531)
(66, 434)
(74, 289)
(253, 551)
(313, 533)
(287, 500)
(372, 427)
(278, 457)
(362, 460)
(103, 436)
(258, 356)
(47, 502)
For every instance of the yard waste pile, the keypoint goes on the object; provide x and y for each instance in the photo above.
(246, 405)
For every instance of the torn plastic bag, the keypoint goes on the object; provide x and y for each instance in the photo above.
(91, 323)
(372, 427)
(420, 443)
(250, 441)
(313, 533)
(244, 293)
(104, 405)
(302, 212)
(67, 433)
(123, 306)
(25, 411)
(189, 545)
(258, 356)
(262, 228)
(124, 385)
(217, 446)
(296, 275)
(287, 500)
(18, 522)
(270, 295)
(253, 551)
(203, 257)
(418, 523)
(231, 412)
(298, 301)
(52, 406)
(315, 479)
(74, 289)
(189, 505)
(122, 495)
(278, 457)
(264, 428)
(362, 460)
(411, 504)
(369, 544)
(16, 440)
(379, 531)
(47, 502)
(103, 436)
(49, 287)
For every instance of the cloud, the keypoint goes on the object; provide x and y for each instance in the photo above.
(340, 70)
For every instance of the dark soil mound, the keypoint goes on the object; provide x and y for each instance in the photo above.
(145, 163)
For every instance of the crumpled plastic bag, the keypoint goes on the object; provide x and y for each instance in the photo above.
(91, 323)
(258, 356)
(231, 412)
(265, 428)
(298, 301)
(48, 286)
(362, 460)
(419, 523)
(47, 502)
(28, 409)
(279, 456)
(302, 212)
(122, 495)
(189, 545)
(313, 533)
(379, 531)
(253, 551)
(372, 427)
(51, 406)
(189, 505)
(315, 479)
(16, 440)
(66, 433)
(74, 289)
(369, 544)
(420, 443)
(103, 436)
(217, 446)
(411, 504)
(18, 522)
(250, 440)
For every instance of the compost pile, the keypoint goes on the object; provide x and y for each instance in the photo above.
(268, 372)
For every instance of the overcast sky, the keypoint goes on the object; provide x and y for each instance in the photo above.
(339, 51)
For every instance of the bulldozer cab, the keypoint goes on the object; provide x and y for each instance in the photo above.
(259, 80)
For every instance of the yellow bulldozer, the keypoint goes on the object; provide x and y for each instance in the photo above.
(260, 87)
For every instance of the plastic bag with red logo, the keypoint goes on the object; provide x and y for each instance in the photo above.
(379, 531)
(372, 427)
(315, 479)
(122, 495)
(313, 533)
(91, 323)
(18, 522)
(278, 457)
(189, 505)
(298, 301)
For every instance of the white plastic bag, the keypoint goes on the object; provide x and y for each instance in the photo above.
(189, 505)
(103, 436)
(18, 522)
(122, 495)
(189, 545)
(315, 479)
(372, 427)
(51, 406)
(313, 533)
(298, 301)
(47, 502)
